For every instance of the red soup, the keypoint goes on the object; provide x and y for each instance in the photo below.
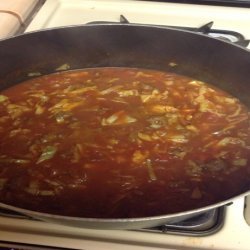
(120, 143)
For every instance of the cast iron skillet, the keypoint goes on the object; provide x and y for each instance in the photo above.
(125, 45)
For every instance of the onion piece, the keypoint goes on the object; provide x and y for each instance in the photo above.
(231, 140)
(161, 109)
(39, 109)
(178, 139)
(151, 171)
(47, 154)
(130, 92)
(3, 98)
(118, 118)
(240, 162)
(140, 156)
(110, 90)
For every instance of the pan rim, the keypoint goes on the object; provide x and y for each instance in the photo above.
(132, 25)
(37, 214)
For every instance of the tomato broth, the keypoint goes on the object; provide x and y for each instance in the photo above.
(120, 143)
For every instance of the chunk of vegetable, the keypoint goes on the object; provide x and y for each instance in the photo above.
(118, 118)
(3, 98)
(151, 172)
(48, 153)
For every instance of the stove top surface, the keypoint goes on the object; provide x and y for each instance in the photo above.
(29, 231)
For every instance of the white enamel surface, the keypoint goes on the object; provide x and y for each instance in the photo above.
(234, 235)
(64, 12)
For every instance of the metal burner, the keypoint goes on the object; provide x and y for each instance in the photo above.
(226, 35)
(203, 224)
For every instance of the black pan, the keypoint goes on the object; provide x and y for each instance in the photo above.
(124, 45)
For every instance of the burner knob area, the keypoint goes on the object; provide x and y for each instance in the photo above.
(247, 209)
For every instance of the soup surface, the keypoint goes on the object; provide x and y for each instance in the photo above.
(121, 142)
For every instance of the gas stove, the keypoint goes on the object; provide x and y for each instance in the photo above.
(223, 228)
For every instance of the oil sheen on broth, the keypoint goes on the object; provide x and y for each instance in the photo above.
(120, 143)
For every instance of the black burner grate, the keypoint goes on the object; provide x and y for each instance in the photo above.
(234, 3)
(203, 224)
(226, 35)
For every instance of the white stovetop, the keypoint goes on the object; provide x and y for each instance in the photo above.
(65, 12)
(234, 235)
(236, 232)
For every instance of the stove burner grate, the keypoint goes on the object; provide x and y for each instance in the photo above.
(206, 223)
(226, 35)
